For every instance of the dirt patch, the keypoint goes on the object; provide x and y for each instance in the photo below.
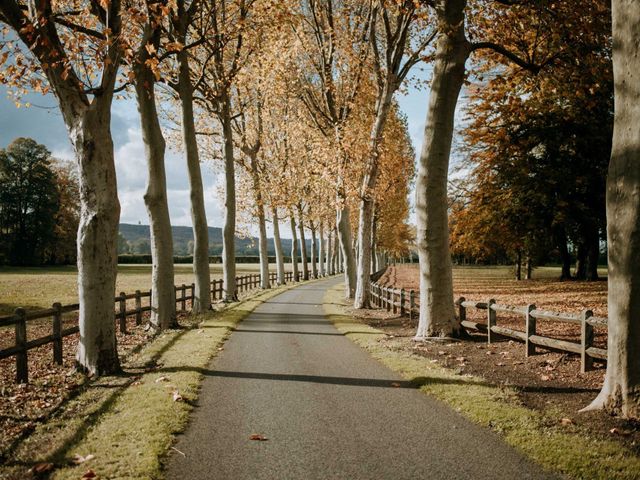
(544, 291)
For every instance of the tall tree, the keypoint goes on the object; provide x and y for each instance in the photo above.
(400, 34)
(621, 390)
(79, 52)
(28, 202)
(145, 70)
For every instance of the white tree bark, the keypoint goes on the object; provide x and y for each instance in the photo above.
(314, 252)
(278, 246)
(620, 394)
(97, 239)
(437, 315)
(322, 255)
(361, 299)
(294, 248)
(348, 263)
(335, 248)
(303, 245)
(202, 294)
(229, 230)
(262, 225)
(163, 298)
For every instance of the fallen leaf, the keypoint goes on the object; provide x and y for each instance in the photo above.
(617, 431)
(461, 359)
(500, 364)
(566, 421)
(162, 379)
(89, 474)
(176, 396)
(395, 384)
(78, 459)
(442, 352)
(545, 378)
(258, 437)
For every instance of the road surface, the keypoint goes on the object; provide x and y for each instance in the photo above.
(328, 409)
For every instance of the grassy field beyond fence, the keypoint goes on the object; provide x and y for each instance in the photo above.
(37, 288)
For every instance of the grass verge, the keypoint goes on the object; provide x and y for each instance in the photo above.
(559, 448)
(125, 424)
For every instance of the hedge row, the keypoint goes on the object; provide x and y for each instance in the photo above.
(140, 259)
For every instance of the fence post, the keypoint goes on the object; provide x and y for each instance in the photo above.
(123, 312)
(57, 333)
(402, 309)
(138, 308)
(491, 318)
(193, 295)
(586, 341)
(462, 310)
(183, 298)
(530, 325)
(22, 367)
(388, 298)
(412, 303)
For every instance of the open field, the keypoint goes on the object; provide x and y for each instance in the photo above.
(38, 288)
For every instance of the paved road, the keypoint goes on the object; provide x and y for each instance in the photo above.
(328, 409)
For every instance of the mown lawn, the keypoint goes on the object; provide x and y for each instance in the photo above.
(36, 288)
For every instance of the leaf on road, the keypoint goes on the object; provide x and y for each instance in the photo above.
(395, 384)
(258, 437)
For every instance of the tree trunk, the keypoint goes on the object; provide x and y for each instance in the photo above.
(163, 298)
(361, 299)
(294, 248)
(519, 265)
(621, 391)
(278, 246)
(529, 268)
(347, 260)
(322, 254)
(374, 246)
(329, 259)
(593, 255)
(97, 239)
(314, 249)
(262, 225)
(202, 300)
(229, 230)
(580, 273)
(335, 266)
(437, 315)
(303, 245)
(565, 256)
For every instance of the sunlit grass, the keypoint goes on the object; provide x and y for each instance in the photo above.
(36, 288)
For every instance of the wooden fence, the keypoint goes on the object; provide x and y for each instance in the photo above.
(404, 302)
(21, 317)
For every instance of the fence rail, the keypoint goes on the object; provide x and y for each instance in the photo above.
(399, 300)
(21, 317)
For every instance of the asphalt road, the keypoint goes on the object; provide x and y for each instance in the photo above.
(328, 409)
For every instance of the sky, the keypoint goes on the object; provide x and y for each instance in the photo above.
(43, 122)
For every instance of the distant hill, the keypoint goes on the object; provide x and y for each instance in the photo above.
(182, 236)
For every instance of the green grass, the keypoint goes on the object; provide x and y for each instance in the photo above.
(37, 288)
(562, 449)
(128, 422)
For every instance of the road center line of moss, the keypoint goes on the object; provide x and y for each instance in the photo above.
(562, 449)
(128, 422)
